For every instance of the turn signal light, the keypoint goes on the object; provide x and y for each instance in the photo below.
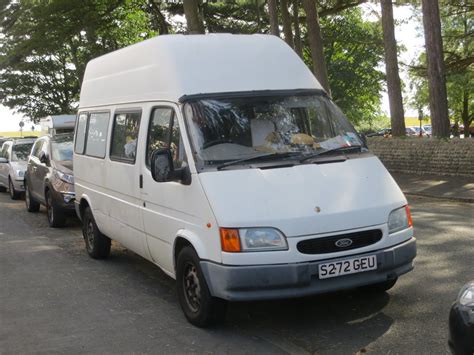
(410, 222)
(230, 240)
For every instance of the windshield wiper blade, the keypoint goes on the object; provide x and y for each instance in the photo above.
(266, 156)
(338, 149)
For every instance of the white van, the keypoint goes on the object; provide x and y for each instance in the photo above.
(220, 159)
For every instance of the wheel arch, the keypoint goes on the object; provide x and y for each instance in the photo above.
(188, 238)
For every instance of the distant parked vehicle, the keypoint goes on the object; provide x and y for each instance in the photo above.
(410, 131)
(428, 129)
(13, 156)
(382, 133)
(49, 179)
(3, 140)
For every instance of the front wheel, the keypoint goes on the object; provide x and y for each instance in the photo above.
(31, 204)
(14, 195)
(97, 244)
(56, 217)
(198, 305)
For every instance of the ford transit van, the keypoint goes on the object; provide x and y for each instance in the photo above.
(221, 159)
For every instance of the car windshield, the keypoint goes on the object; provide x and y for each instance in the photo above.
(61, 148)
(228, 129)
(20, 151)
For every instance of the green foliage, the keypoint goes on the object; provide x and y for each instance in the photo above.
(353, 50)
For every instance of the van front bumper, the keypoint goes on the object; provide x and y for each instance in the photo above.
(259, 282)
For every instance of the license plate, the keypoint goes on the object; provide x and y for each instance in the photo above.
(347, 266)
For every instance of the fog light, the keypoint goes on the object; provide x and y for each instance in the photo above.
(68, 198)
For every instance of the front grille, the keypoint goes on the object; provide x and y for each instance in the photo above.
(328, 244)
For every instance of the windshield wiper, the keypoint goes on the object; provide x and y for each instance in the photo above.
(267, 156)
(324, 152)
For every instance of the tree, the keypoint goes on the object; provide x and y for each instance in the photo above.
(316, 44)
(296, 24)
(397, 115)
(194, 20)
(436, 70)
(354, 51)
(286, 19)
(273, 15)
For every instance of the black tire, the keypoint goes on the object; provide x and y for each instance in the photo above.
(3, 189)
(56, 217)
(97, 244)
(14, 195)
(382, 286)
(31, 204)
(199, 307)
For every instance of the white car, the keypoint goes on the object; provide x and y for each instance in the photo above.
(221, 159)
(13, 157)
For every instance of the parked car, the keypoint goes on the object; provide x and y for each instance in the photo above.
(49, 178)
(13, 156)
(382, 133)
(461, 322)
(410, 131)
(428, 129)
(245, 183)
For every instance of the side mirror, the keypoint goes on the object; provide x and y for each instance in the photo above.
(43, 158)
(161, 165)
(3, 160)
(162, 168)
(363, 137)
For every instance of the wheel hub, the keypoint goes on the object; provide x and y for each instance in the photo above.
(192, 288)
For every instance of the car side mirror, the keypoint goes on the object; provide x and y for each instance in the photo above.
(363, 137)
(43, 158)
(3, 160)
(162, 169)
(161, 165)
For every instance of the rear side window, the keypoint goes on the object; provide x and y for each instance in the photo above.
(81, 133)
(37, 148)
(125, 136)
(97, 134)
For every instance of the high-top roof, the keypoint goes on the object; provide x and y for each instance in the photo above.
(168, 67)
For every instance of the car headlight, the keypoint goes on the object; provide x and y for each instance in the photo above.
(64, 177)
(20, 173)
(466, 296)
(399, 219)
(252, 239)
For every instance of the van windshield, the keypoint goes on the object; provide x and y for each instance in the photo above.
(228, 129)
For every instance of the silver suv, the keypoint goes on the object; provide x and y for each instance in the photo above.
(13, 157)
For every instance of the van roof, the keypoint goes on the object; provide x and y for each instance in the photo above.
(169, 66)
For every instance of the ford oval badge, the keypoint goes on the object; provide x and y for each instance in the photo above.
(343, 243)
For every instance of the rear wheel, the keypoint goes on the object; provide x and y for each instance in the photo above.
(31, 204)
(97, 244)
(199, 307)
(56, 217)
(382, 286)
(14, 195)
(3, 189)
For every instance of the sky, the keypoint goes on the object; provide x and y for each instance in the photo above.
(407, 33)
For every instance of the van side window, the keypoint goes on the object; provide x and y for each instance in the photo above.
(97, 134)
(81, 133)
(4, 153)
(125, 136)
(160, 136)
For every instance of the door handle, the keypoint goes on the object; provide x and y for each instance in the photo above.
(141, 181)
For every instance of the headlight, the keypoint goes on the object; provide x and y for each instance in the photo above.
(64, 177)
(252, 239)
(399, 219)
(466, 296)
(20, 173)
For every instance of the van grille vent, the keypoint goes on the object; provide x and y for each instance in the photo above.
(340, 242)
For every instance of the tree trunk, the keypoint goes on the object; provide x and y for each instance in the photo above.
(465, 114)
(436, 76)
(285, 15)
(161, 25)
(397, 116)
(273, 14)
(194, 21)
(316, 44)
(259, 22)
(296, 24)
